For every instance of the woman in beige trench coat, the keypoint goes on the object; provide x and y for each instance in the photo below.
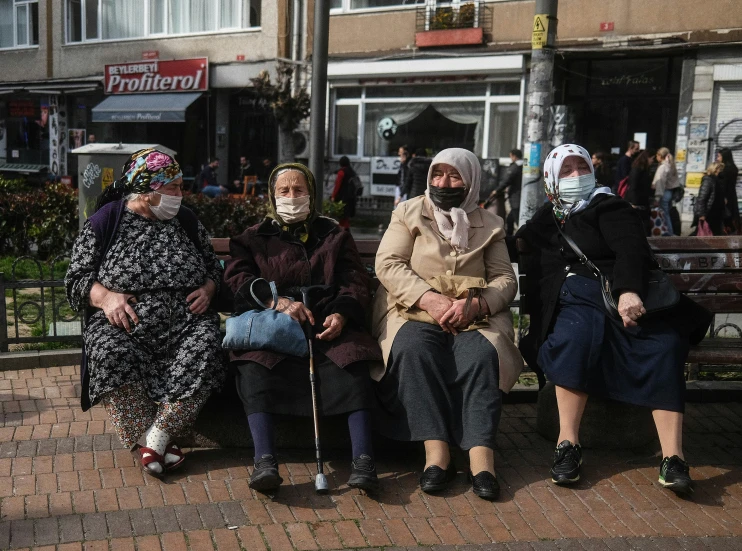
(443, 323)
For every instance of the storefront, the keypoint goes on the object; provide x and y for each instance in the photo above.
(615, 98)
(472, 102)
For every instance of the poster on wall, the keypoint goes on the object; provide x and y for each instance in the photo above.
(3, 140)
(62, 141)
(52, 120)
(76, 138)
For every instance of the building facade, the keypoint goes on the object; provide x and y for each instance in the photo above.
(173, 72)
(456, 73)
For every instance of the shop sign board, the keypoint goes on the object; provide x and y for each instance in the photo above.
(157, 76)
(384, 176)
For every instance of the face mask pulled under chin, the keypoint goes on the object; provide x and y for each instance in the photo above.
(293, 210)
(577, 188)
(168, 207)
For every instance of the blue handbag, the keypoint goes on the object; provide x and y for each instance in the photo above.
(266, 329)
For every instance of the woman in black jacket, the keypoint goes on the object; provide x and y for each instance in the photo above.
(640, 186)
(729, 178)
(583, 350)
(709, 205)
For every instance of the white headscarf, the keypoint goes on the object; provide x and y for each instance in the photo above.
(553, 165)
(454, 224)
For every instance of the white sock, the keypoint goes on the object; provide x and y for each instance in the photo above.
(156, 440)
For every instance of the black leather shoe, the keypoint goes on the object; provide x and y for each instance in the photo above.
(567, 461)
(435, 479)
(265, 474)
(363, 474)
(485, 485)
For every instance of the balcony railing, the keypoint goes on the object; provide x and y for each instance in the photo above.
(452, 23)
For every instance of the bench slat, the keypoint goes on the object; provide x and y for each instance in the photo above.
(221, 245)
(717, 351)
(719, 304)
(700, 262)
(728, 282)
(709, 244)
(368, 247)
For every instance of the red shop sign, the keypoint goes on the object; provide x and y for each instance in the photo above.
(152, 77)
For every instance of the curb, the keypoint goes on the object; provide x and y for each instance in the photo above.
(31, 359)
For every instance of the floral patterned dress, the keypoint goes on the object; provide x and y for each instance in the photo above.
(172, 352)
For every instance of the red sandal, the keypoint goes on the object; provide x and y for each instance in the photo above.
(172, 448)
(153, 457)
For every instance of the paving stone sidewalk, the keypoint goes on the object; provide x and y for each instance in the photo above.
(66, 484)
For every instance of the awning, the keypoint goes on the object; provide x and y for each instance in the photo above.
(144, 108)
(25, 168)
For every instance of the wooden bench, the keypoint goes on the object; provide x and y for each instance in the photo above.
(245, 181)
(707, 270)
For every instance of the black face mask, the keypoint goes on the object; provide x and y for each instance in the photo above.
(447, 198)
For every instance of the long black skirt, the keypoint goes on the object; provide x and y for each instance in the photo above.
(440, 387)
(594, 353)
(285, 389)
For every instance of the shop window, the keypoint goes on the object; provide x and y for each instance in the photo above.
(346, 130)
(19, 23)
(503, 130)
(116, 19)
(433, 126)
(347, 5)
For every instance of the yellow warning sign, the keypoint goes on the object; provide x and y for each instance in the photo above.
(540, 30)
(106, 178)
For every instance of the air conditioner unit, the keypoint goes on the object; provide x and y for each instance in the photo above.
(301, 144)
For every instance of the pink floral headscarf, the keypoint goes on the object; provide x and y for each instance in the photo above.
(148, 170)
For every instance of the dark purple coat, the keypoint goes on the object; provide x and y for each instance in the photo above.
(329, 257)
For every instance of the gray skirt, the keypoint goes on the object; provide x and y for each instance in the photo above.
(440, 387)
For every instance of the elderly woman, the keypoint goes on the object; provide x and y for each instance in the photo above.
(294, 247)
(443, 323)
(639, 358)
(144, 270)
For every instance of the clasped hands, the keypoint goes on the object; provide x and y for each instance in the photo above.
(449, 313)
(333, 324)
(118, 306)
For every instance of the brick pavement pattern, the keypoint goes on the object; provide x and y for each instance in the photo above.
(66, 484)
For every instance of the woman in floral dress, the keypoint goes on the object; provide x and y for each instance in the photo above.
(145, 272)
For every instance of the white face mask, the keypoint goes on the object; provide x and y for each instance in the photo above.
(168, 207)
(293, 210)
(574, 189)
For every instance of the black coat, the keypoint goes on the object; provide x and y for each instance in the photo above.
(511, 181)
(416, 181)
(729, 176)
(710, 203)
(640, 187)
(611, 234)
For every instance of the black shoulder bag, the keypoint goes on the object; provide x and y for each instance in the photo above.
(661, 293)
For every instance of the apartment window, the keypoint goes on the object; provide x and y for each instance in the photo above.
(348, 5)
(19, 23)
(91, 20)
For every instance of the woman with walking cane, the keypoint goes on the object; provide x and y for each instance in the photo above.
(295, 248)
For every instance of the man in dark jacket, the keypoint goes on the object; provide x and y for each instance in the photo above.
(208, 179)
(510, 182)
(417, 175)
(624, 163)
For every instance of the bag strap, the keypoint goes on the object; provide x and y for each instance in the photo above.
(274, 292)
(584, 260)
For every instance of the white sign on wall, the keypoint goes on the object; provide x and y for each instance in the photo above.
(384, 175)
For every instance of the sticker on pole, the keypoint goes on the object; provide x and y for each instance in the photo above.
(540, 30)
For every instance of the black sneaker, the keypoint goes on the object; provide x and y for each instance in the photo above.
(435, 479)
(265, 474)
(675, 476)
(363, 474)
(485, 485)
(566, 466)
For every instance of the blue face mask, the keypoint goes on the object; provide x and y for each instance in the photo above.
(575, 189)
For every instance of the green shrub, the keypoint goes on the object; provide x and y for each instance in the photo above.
(45, 219)
(224, 216)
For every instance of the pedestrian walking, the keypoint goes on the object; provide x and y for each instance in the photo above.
(665, 181)
(416, 181)
(729, 178)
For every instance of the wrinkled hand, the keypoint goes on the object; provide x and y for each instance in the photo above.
(296, 310)
(334, 324)
(201, 298)
(436, 305)
(118, 310)
(630, 308)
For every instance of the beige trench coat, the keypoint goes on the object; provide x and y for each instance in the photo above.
(413, 250)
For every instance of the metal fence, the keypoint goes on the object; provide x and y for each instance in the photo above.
(453, 15)
(37, 305)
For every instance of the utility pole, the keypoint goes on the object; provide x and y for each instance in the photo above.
(319, 95)
(543, 37)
